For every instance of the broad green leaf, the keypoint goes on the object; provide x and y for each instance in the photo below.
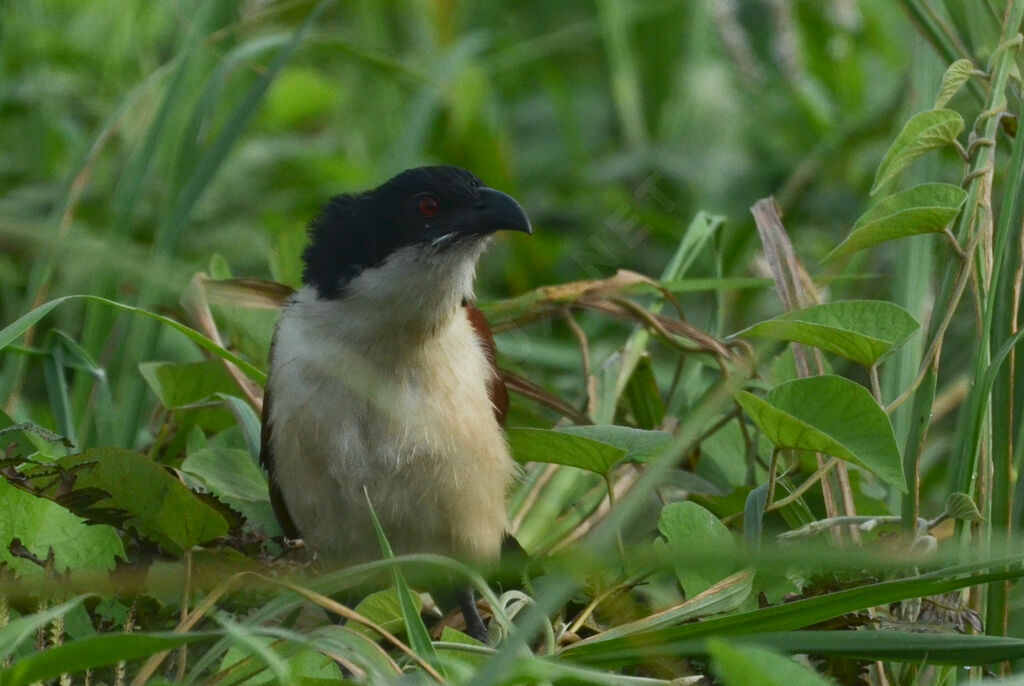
(180, 385)
(641, 445)
(961, 506)
(864, 331)
(228, 472)
(928, 208)
(956, 76)
(384, 608)
(233, 477)
(831, 415)
(94, 651)
(558, 447)
(923, 132)
(42, 524)
(742, 665)
(160, 507)
(688, 526)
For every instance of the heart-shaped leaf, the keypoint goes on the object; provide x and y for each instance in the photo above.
(928, 208)
(923, 132)
(861, 330)
(831, 415)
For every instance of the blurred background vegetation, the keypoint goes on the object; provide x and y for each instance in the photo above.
(138, 139)
(142, 142)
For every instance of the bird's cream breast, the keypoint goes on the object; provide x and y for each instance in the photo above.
(413, 426)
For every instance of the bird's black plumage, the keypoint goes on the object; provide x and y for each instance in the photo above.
(359, 231)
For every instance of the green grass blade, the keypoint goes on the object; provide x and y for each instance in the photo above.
(12, 331)
(94, 651)
(786, 617)
(416, 630)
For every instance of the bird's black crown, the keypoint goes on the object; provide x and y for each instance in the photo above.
(432, 206)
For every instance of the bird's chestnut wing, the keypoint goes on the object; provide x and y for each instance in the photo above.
(496, 388)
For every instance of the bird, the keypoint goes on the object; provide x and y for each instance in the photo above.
(382, 382)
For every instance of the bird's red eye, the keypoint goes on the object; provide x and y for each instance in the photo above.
(429, 207)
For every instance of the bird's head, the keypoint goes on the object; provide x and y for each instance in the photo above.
(414, 240)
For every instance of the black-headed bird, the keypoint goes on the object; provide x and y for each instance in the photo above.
(382, 381)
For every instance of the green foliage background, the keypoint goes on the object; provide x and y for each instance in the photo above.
(144, 142)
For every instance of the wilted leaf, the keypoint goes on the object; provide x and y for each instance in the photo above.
(558, 447)
(923, 132)
(956, 76)
(928, 208)
(831, 415)
(862, 330)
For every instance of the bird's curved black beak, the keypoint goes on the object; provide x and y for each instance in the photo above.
(496, 211)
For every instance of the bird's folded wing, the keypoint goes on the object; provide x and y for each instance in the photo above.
(267, 461)
(496, 389)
